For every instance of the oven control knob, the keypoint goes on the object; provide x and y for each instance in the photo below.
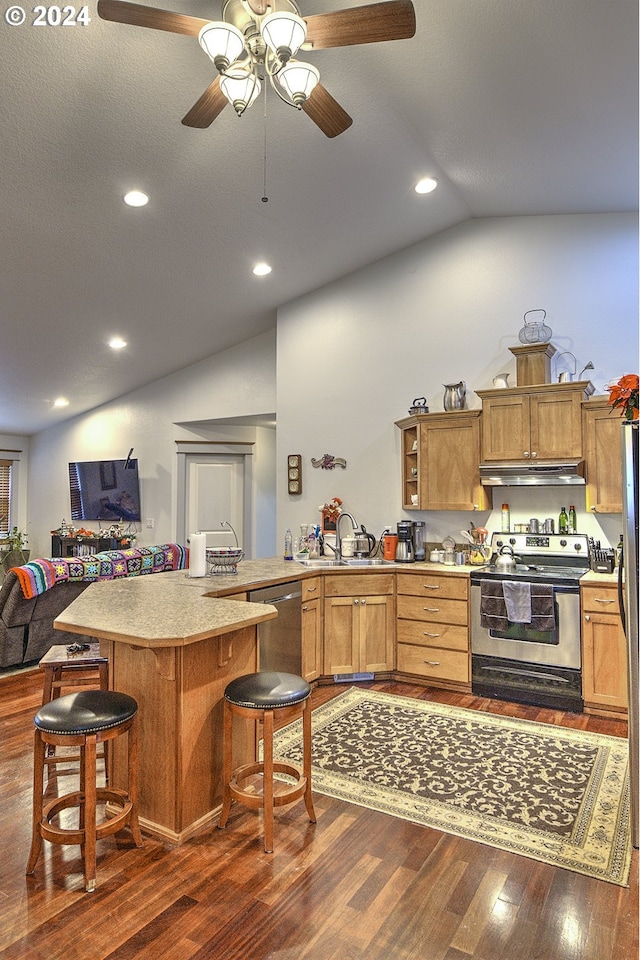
(499, 543)
(577, 546)
(512, 541)
(563, 543)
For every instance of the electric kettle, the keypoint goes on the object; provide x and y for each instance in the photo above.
(364, 543)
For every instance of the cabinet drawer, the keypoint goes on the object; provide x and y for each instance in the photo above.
(312, 589)
(427, 634)
(437, 664)
(433, 609)
(436, 585)
(358, 585)
(603, 599)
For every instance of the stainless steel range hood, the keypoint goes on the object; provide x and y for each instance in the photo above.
(538, 473)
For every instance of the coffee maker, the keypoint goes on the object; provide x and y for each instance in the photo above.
(419, 549)
(404, 550)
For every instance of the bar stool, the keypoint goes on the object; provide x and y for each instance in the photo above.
(83, 720)
(65, 666)
(258, 696)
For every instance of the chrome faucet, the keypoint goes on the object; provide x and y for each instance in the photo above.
(338, 549)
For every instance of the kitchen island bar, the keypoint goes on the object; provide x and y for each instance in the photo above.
(174, 650)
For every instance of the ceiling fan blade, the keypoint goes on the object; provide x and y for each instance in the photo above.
(390, 20)
(207, 107)
(326, 112)
(121, 11)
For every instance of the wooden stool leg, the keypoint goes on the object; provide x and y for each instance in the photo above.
(38, 791)
(132, 747)
(227, 769)
(267, 791)
(89, 807)
(306, 758)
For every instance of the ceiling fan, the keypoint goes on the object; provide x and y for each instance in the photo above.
(258, 39)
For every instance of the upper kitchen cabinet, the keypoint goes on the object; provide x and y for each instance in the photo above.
(603, 456)
(440, 458)
(541, 422)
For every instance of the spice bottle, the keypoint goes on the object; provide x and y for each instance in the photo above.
(506, 518)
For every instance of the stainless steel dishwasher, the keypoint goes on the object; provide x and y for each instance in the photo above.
(281, 639)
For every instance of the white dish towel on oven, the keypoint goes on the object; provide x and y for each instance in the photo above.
(517, 598)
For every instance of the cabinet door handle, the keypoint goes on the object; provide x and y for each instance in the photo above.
(356, 602)
(525, 453)
(304, 609)
(311, 589)
(534, 454)
(432, 609)
(425, 634)
(603, 600)
(431, 586)
(587, 617)
(432, 663)
(363, 600)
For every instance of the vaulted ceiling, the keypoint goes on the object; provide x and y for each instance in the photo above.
(515, 107)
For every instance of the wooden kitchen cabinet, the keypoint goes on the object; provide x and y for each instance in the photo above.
(603, 456)
(604, 651)
(533, 423)
(432, 629)
(312, 645)
(359, 620)
(440, 457)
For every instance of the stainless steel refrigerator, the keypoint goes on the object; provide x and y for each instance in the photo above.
(628, 595)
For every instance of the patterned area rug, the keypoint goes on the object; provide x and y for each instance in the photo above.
(552, 793)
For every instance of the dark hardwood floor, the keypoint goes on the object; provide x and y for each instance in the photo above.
(356, 885)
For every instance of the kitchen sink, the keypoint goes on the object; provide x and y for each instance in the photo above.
(347, 562)
(364, 562)
(319, 562)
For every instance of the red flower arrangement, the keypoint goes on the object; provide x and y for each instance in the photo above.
(624, 394)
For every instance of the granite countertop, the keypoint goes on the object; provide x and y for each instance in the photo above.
(592, 576)
(253, 574)
(157, 611)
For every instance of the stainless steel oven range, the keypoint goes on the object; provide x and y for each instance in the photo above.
(525, 624)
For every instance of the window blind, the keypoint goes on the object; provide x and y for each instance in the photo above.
(5, 494)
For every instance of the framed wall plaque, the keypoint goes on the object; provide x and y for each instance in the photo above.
(294, 473)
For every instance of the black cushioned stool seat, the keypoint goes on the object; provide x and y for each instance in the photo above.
(85, 719)
(257, 696)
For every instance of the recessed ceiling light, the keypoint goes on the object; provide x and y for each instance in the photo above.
(426, 185)
(61, 402)
(262, 269)
(117, 343)
(136, 198)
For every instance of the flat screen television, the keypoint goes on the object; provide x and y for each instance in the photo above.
(105, 490)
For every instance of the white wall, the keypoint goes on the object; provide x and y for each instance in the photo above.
(353, 355)
(236, 383)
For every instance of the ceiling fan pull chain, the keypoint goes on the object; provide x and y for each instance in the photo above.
(265, 198)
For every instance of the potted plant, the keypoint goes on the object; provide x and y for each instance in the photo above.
(14, 554)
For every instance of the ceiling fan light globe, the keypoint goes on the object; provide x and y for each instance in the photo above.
(240, 90)
(298, 79)
(284, 33)
(222, 42)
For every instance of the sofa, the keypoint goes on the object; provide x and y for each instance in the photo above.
(33, 595)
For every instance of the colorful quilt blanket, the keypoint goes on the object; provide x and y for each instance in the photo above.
(37, 576)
